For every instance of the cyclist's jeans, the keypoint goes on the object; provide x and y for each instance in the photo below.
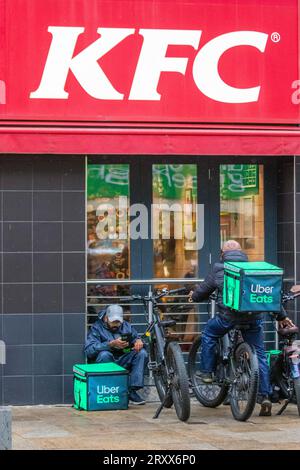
(134, 361)
(216, 328)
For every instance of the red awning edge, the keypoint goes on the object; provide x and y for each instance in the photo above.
(149, 141)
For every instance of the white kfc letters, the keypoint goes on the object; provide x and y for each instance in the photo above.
(152, 61)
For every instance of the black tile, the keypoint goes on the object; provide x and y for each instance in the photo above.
(47, 206)
(73, 171)
(47, 173)
(285, 211)
(17, 267)
(285, 232)
(17, 173)
(48, 390)
(74, 236)
(47, 267)
(17, 329)
(74, 328)
(47, 360)
(1, 199)
(17, 298)
(47, 298)
(47, 236)
(68, 389)
(74, 298)
(286, 177)
(74, 206)
(297, 178)
(74, 267)
(298, 268)
(18, 360)
(73, 354)
(17, 236)
(18, 390)
(47, 329)
(298, 207)
(286, 261)
(17, 206)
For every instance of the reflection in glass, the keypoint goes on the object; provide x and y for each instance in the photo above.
(174, 190)
(242, 207)
(107, 228)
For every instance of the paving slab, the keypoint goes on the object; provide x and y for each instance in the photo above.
(63, 427)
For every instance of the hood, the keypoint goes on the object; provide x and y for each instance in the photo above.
(234, 255)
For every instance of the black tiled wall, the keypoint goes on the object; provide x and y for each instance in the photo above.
(42, 276)
(285, 217)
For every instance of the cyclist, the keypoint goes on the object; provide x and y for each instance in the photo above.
(224, 321)
(104, 344)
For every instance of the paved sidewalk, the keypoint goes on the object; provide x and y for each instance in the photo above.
(61, 427)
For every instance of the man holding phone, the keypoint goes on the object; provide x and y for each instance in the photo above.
(112, 339)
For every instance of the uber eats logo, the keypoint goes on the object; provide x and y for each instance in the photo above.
(107, 394)
(261, 294)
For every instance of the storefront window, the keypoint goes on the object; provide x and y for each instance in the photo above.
(174, 191)
(107, 229)
(242, 207)
(174, 220)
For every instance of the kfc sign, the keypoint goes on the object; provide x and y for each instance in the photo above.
(159, 62)
(151, 63)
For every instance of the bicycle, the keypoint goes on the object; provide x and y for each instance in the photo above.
(285, 371)
(236, 373)
(166, 359)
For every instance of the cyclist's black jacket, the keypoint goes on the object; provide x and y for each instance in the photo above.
(214, 281)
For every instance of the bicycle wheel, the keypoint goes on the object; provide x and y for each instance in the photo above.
(245, 376)
(160, 376)
(297, 392)
(209, 395)
(279, 377)
(179, 381)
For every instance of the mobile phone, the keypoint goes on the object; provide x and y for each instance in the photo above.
(126, 337)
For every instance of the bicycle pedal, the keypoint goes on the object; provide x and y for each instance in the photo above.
(152, 365)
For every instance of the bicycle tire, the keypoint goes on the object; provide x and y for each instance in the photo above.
(160, 377)
(243, 377)
(179, 381)
(278, 378)
(297, 392)
(208, 395)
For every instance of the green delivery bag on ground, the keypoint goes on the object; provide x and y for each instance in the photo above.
(100, 387)
(252, 286)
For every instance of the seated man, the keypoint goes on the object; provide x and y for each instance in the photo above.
(104, 344)
(219, 325)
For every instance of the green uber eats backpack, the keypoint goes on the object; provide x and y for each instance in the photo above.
(252, 286)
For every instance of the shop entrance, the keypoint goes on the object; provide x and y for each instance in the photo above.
(165, 218)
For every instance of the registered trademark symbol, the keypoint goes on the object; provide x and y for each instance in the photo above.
(275, 37)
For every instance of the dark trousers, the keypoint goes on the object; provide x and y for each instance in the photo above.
(133, 361)
(217, 327)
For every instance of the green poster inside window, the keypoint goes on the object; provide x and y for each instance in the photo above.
(239, 181)
(107, 181)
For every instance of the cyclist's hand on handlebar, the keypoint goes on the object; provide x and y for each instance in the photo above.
(295, 289)
(118, 343)
(138, 345)
(286, 323)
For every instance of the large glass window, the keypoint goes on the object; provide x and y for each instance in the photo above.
(107, 230)
(174, 220)
(242, 207)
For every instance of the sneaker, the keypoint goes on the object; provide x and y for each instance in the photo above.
(266, 406)
(135, 399)
(205, 377)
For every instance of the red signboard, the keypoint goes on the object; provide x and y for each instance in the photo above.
(151, 61)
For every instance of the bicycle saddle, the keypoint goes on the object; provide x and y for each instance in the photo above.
(288, 331)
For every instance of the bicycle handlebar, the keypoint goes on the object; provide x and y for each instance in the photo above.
(163, 293)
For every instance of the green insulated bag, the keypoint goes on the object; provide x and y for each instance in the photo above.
(100, 387)
(252, 286)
